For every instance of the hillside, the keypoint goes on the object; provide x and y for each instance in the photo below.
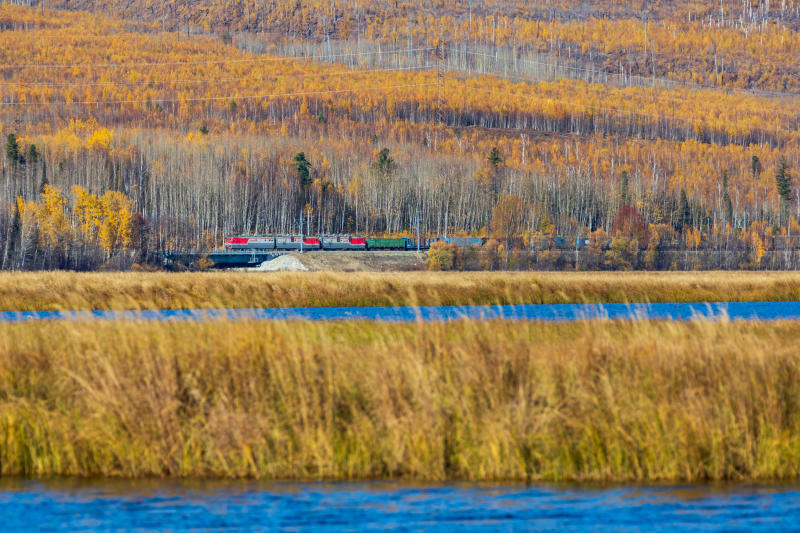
(726, 43)
(126, 134)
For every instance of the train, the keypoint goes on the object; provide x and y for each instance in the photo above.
(278, 242)
(260, 243)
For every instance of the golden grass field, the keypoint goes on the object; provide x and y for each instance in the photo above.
(132, 290)
(465, 400)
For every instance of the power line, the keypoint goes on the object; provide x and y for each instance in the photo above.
(342, 91)
(211, 61)
(211, 80)
(619, 112)
(216, 98)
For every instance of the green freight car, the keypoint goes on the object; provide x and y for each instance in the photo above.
(402, 243)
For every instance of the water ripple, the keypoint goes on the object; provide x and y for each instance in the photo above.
(161, 505)
(444, 313)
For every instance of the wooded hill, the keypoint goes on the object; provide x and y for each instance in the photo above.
(730, 43)
(201, 137)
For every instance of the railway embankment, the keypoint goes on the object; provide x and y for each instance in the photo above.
(375, 261)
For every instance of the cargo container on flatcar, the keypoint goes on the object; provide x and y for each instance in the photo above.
(464, 242)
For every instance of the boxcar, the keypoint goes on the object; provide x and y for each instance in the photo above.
(402, 243)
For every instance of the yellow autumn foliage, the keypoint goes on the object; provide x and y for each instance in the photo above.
(101, 139)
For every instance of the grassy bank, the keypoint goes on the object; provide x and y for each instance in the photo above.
(67, 290)
(524, 401)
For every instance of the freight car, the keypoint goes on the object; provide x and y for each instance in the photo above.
(464, 242)
(402, 243)
(545, 243)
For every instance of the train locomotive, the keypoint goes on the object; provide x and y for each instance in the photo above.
(258, 243)
(265, 243)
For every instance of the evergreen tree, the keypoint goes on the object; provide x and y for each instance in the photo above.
(12, 148)
(755, 167)
(384, 165)
(783, 181)
(33, 154)
(495, 158)
(624, 195)
(303, 170)
(727, 207)
(685, 212)
(494, 174)
(14, 233)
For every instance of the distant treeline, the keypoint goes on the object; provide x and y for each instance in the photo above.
(84, 198)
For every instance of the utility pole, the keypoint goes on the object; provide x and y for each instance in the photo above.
(301, 231)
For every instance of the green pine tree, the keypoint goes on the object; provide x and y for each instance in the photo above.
(727, 207)
(33, 154)
(495, 158)
(303, 170)
(384, 165)
(624, 194)
(12, 148)
(783, 181)
(14, 233)
(684, 212)
(43, 183)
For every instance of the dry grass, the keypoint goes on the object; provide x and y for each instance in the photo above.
(66, 290)
(582, 401)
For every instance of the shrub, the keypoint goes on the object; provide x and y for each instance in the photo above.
(440, 256)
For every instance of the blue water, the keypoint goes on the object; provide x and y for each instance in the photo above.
(246, 506)
(549, 313)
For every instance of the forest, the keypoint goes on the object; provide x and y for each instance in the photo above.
(664, 134)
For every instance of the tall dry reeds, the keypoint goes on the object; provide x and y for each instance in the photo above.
(493, 400)
(134, 290)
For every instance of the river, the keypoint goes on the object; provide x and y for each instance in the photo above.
(536, 312)
(102, 505)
